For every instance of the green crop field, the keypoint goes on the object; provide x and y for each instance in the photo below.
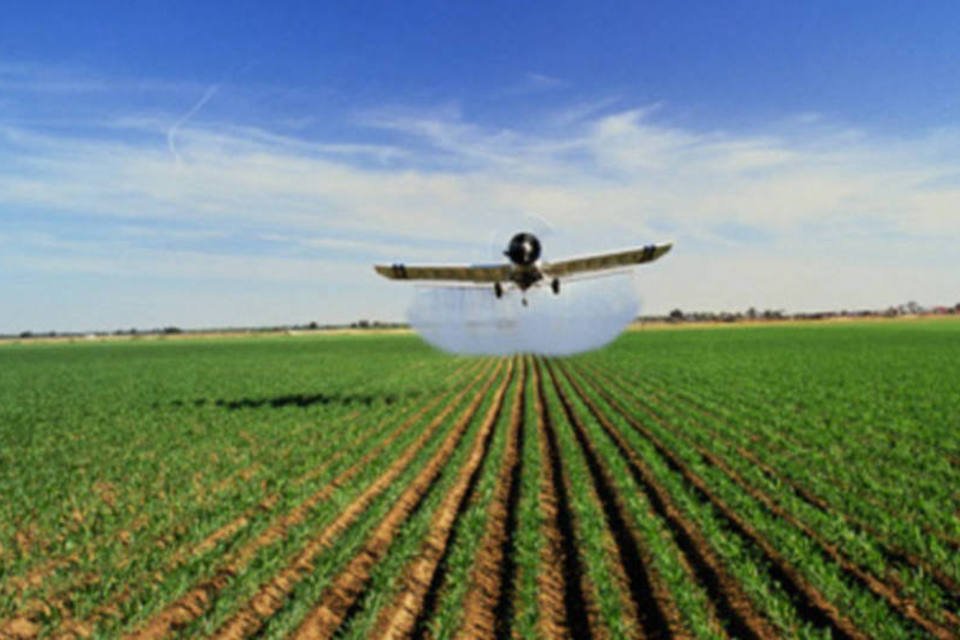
(771, 481)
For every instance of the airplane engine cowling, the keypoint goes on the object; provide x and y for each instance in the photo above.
(524, 249)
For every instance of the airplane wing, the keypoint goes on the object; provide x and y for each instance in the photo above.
(605, 261)
(478, 274)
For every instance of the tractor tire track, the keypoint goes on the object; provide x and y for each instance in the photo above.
(408, 615)
(809, 602)
(199, 598)
(488, 604)
(564, 609)
(274, 594)
(653, 605)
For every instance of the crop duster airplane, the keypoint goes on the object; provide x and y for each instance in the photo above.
(525, 269)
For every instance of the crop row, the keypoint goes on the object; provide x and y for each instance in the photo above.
(523, 496)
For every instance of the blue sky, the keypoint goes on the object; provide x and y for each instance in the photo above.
(205, 164)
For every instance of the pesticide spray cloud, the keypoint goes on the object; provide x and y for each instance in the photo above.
(586, 315)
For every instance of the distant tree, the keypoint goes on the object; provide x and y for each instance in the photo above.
(752, 313)
(26, 334)
(676, 315)
(172, 330)
(313, 325)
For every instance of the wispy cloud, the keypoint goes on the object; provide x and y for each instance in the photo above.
(615, 169)
(771, 200)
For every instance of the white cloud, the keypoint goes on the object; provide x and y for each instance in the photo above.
(603, 179)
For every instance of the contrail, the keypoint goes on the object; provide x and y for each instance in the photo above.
(175, 128)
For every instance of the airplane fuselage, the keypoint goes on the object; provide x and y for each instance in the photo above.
(526, 276)
(524, 254)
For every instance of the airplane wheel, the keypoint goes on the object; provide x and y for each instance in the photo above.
(498, 290)
(555, 285)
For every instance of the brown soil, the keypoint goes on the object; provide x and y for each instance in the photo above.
(199, 598)
(809, 602)
(272, 595)
(34, 578)
(653, 605)
(562, 595)
(832, 553)
(893, 552)
(488, 604)
(19, 629)
(110, 608)
(795, 445)
(423, 576)
(891, 592)
(346, 588)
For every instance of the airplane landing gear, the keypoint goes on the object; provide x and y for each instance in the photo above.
(555, 286)
(524, 301)
(498, 290)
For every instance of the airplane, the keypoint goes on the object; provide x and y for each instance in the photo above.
(525, 269)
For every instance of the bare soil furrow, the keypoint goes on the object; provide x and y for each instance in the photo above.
(407, 615)
(889, 590)
(893, 552)
(564, 609)
(652, 603)
(34, 578)
(242, 521)
(807, 599)
(488, 606)
(110, 606)
(198, 599)
(789, 451)
(347, 587)
(740, 617)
